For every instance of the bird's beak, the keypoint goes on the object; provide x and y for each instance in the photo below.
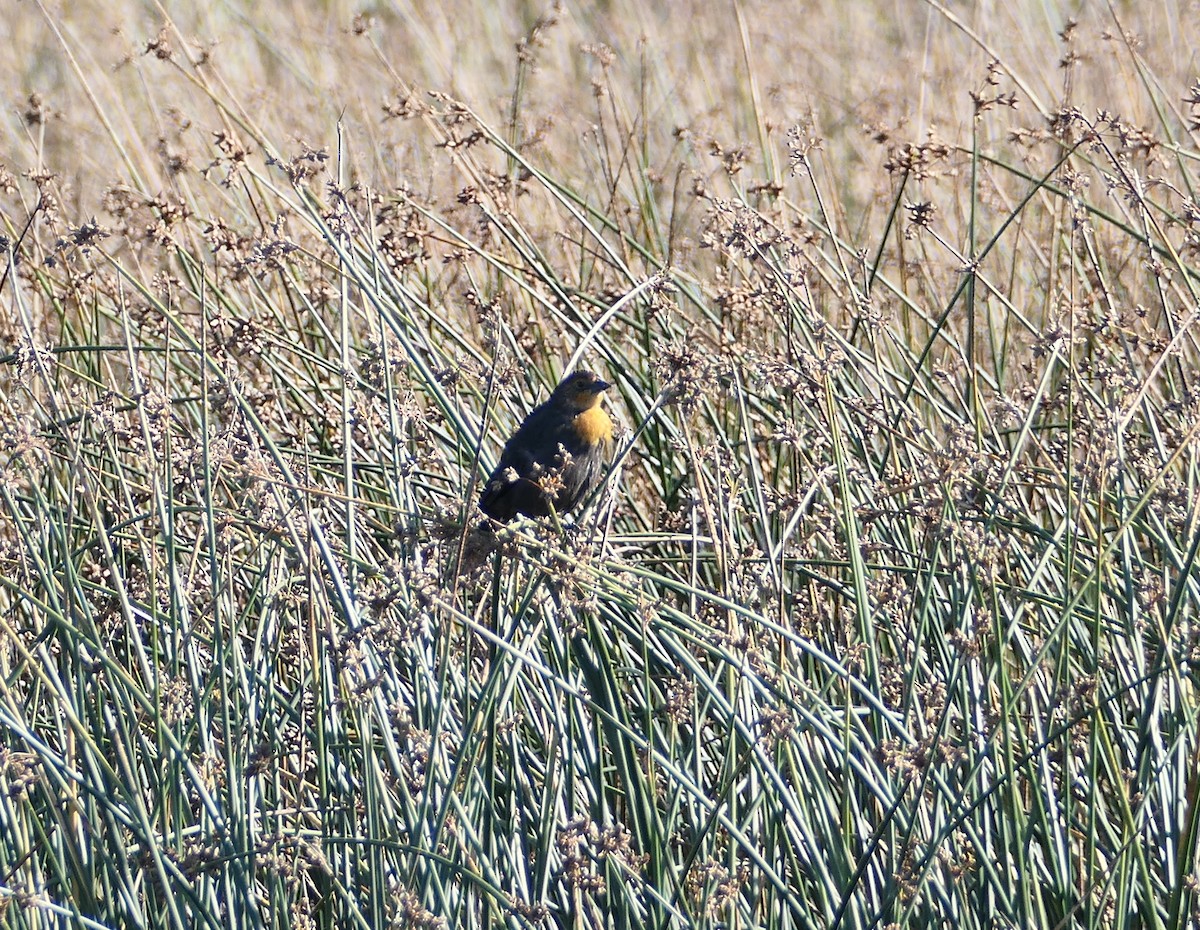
(599, 387)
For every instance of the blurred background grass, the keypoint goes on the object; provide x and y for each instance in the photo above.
(887, 617)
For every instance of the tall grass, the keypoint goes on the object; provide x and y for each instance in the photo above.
(887, 615)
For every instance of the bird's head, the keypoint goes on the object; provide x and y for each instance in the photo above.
(580, 390)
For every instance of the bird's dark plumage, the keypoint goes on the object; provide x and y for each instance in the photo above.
(557, 457)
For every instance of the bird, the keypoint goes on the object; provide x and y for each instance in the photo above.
(556, 457)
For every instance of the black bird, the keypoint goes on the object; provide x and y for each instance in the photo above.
(558, 455)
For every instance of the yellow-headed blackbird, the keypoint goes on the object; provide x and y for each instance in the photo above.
(557, 457)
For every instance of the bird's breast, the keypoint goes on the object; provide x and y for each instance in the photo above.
(594, 426)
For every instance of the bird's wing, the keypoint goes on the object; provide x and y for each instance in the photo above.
(535, 442)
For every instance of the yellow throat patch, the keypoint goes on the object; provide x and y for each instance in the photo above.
(594, 425)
